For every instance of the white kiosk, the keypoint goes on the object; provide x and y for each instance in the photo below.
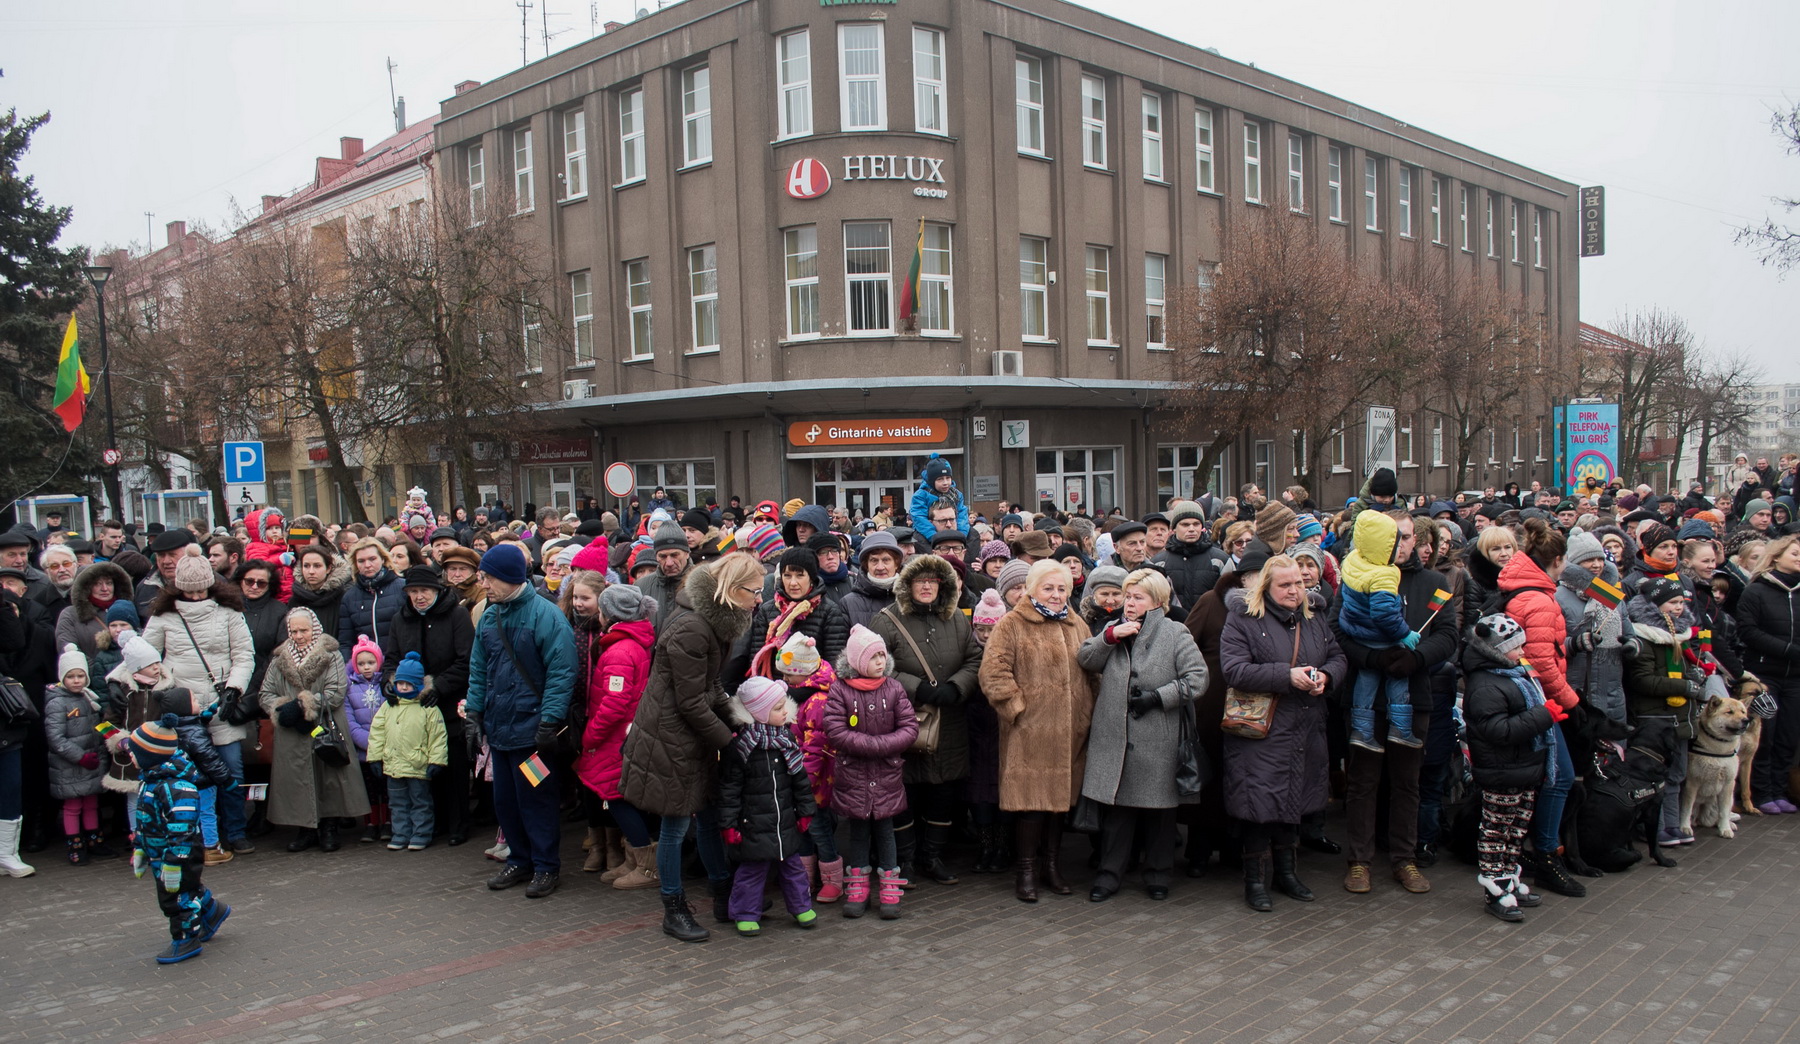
(174, 507)
(76, 514)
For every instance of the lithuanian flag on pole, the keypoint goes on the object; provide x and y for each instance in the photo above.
(71, 381)
(909, 290)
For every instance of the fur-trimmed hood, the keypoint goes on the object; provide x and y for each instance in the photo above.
(929, 566)
(86, 611)
(699, 593)
(335, 581)
(309, 672)
(1648, 622)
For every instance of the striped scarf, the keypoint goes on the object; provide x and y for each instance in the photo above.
(763, 736)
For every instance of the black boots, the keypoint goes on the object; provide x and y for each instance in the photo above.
(721, 897)
(1285, 879)
(1028, 838)
(304, 838)
(328, 835)
(931, 854)
(678, 919)
(1048, 870)
(1549, 873)
(1256, 872)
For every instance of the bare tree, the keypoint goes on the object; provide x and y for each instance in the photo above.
(456, 311)
(1640, 365)
(1778, 244)
(1714, 403)
(1291, 336)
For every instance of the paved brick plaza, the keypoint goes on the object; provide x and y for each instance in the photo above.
(372, 945)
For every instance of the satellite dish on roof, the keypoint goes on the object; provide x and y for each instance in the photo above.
(643, 12)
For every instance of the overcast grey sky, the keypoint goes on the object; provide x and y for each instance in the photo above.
(181, 106)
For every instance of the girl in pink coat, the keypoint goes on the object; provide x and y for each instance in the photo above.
(616, 676)
(869, 723)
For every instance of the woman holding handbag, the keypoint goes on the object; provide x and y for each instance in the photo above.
(1151, 671)
(1279, 658)
(303, 690)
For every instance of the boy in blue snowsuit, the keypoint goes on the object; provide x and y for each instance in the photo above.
(1372, 613)
(168, 838)
(935, 484)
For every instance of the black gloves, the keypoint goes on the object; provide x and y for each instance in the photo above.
(473, 726)
(291, 715)
(1696, 691)
(1402, 663)
(1143, 701)
(942, 694)
(547, 732)
(428, 698)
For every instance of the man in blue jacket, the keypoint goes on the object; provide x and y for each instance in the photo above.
(521, 680)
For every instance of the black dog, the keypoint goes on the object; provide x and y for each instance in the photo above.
(1624, 797)
(1588, 733)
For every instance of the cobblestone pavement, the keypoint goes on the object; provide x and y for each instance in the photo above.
(371, 945)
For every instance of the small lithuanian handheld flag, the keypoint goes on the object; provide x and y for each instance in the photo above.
(71, 381)
(534, 770)
(107, 730)
(1609, 595)
(1439, 599)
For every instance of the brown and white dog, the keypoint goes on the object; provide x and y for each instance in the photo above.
(1748, 689)
(1712, 768)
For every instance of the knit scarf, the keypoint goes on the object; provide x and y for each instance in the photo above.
(102, 604)
(297, 650)
(763, 736)
(885, 583)
(1786, 581)
(1048, 613)
(789, 612)
(837, 575)
(1525, 680)
(1659, 565)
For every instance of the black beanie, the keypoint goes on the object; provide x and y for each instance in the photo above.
(696, 518)
(1384, 484)
(801, 558)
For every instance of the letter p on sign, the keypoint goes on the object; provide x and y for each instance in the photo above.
(244, 463)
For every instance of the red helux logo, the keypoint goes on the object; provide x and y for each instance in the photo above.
(808, 179)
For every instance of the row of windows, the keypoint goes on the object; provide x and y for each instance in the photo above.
(1030, 111)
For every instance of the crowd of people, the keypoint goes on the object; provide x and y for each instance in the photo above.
(857, 705)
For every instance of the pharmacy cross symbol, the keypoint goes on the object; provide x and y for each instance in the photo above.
(812, 434)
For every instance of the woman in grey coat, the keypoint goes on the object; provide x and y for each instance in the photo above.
(1270, 783)
(1596, 633)
(1151, 671)
(305, 680)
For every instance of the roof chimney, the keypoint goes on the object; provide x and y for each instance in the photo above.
(349, 148)
(271, 202)
(610, 26)
(177, 232)
(466, 86)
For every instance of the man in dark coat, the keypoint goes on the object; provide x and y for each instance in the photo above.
(433, 623)
(1190, 559)
(1363, 767)
(166, 550)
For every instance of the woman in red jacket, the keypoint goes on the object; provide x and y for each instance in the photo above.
(1528, 586)
(617, 655)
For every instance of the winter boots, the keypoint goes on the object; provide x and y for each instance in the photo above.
(1400, 721)
(1048, 871)
(1497, 892)
(931, 854)
(97, 846)
(831, 881)
(10, 829)
(1028, 838)
(678, 919)
(1256, 875)
(638, 871)
(78, 854)
(991, 849)
(856, 891)
(891, 890)
(1285, 879)
(1549, 872)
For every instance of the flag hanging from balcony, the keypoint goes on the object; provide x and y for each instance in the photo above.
(71, 381)
(909, 290)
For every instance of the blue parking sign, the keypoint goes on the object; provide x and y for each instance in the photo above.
(243, 463)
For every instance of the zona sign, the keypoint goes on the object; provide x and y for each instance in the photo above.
(808, 179)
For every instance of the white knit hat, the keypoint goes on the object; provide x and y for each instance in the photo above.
(71, 660)
(138, 654)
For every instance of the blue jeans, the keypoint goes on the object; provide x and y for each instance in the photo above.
(629, 821)
(872, 838)
(708, 841)
(1546, 821)
(12, 783)
(231, 816)
(410, 808)
(529, 816)
(822, 833)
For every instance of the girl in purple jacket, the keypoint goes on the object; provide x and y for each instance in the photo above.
(361, 700)
(869, 722)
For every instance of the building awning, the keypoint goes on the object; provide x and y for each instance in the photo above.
(862, 396)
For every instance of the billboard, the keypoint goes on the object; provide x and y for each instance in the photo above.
(1590, 444)
(1380, 450)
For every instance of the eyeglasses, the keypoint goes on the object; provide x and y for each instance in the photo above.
(249, 582)
(750, 589)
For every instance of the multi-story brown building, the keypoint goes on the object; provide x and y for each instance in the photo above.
(735, 190)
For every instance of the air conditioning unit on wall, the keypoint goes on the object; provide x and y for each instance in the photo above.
(1009, 364)
(573, 390)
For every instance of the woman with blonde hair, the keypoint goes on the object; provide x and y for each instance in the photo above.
(1277, 642)
(1768, 619)
(1031, 673)
(1151, 671)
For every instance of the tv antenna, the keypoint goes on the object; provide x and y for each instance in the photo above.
(524, 7)
(398, 103)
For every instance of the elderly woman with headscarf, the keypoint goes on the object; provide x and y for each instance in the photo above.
(305, 683)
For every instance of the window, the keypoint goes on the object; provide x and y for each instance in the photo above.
(696, 116)
(689, 482)
(1155, 272)
(1512, 233)
(524, 190)
(1203, 149)
(1093, 121)
(1296, 173)
(531, 340)
(581, 296)
(477, 184)
(631, 135)
(1537, 237)
(1516, 446)
(1334, 182)
(1437, 210)
(1253, 163)
(1462, 216)
(1539, 455)
(1340, 449)
(1493, 243)
(1034, 288)
(1264, 464)
(703, 291)
(1493, 436)
(1176, 468)
(1077, 478)
(1403, 441)
(801, 245)
(1153, 137)
(1437, 442)
(937, 298)
(793, 74)
(928, 82)
(1372, 194)
(637, 300)
(1403, 217)
(862, 88)
(868, 276)
(1028, 94)
(574, 153)
(1099, 295)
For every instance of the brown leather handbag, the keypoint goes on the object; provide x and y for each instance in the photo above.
(1248, 714)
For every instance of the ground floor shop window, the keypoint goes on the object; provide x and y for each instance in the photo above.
(1084, 479)
(281, 491)
(309, 491)
(865, 485)
(1175, 478)
(690, 483)
(560, 486)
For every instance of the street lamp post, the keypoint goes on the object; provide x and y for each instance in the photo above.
(98, 275)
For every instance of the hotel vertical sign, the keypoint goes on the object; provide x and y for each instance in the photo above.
(1593, 221)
